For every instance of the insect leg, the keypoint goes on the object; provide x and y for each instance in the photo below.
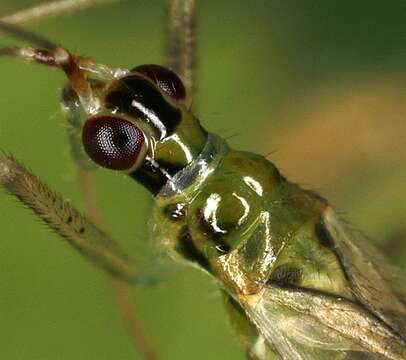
(83, 233)
(49, 9)
(65, 220)
(181, 43)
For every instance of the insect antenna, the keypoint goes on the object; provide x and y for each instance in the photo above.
(51, 54)
(28, 36)
(53, 8)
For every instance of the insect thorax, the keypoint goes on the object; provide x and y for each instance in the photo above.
(233, 214)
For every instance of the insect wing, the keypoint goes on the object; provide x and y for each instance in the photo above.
(302, 324)
(308, 324)
(374, 283)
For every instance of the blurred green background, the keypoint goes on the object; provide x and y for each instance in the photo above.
(317, 85)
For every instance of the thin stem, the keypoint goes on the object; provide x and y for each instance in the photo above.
(49, 9)
(181, 43)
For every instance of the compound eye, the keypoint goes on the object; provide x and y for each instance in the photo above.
(113, 142)
(165, 79)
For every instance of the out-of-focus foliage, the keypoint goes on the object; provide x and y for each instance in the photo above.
(319, 86)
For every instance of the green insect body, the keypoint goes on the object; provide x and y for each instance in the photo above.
(228, 215)
(298, 282)
(258, 235)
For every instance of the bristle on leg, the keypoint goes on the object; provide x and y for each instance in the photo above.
(65, 220)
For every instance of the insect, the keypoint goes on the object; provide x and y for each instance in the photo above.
(214, 199)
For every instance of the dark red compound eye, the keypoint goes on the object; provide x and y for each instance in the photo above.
(165, 79)
(113, 142)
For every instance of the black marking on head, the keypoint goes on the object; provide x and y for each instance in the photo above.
(69, 220)
(150, 176)
(188, 249)
(170, 168)
(285, 276)
(324, 235)
(154, 176)
(175, 212)
(138, 97)
(81, 230)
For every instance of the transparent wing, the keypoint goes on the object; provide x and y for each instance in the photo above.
(303, 324)
(374, 283)
(310, 324)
